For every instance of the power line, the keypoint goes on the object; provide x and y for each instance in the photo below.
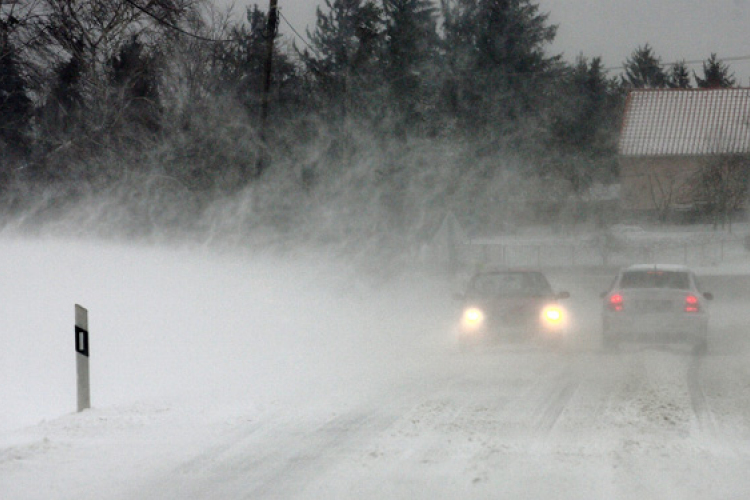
(175, 27)
(213, 40)
(616, 68)
(689, 63)
(297, 33)
(303, 40)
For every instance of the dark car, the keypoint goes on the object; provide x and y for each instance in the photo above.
(510, 305)
(656, 303)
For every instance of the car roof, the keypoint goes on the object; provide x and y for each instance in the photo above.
(658, 267)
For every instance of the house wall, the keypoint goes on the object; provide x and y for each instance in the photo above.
(653, 184)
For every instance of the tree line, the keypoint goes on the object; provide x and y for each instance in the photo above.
(388, 110)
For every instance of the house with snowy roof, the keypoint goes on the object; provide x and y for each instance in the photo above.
(668, 140)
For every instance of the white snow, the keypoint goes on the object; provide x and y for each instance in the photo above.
(237, 375)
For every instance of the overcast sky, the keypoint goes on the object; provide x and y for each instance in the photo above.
(676, 29)
(613, 29)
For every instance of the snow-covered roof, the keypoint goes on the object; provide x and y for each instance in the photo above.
(686, 122)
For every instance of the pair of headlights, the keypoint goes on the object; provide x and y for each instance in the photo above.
(473, 317)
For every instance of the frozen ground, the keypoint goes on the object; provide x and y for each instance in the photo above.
(220, 375)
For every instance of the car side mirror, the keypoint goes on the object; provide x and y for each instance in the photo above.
(708, 295)
(563, 295)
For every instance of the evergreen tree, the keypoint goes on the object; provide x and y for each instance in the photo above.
(643, 69)
(410, 52)
(243, 62)
(15, 106)
(715, 74)
(243, 67)
(496, 56)
(65, 104)
(347, 42)
(134, 75)
(590, 92)
(64, 126)
(585, 125)
(678, 76)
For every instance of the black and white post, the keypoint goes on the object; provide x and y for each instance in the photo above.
(82, 358)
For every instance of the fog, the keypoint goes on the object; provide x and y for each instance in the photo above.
(223, 371)
(205, 328)
(270, 291)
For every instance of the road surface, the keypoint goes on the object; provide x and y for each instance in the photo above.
(413, 417)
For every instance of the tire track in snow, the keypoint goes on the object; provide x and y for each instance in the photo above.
(224, 448)
(550, 410)
(290, 457)
(438, 408)
(270, 460)
(280, 456)
(552, 404)
(307, 456)
(349, 435)
(701, 409)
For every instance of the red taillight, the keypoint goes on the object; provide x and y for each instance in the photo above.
(615, 302)
(691, 304)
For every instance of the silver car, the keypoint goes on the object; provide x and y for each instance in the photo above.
(656, 303)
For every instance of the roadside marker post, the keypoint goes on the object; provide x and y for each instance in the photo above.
(82, 358)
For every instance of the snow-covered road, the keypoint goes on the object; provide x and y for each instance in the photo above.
(359, 393)
(505, 425)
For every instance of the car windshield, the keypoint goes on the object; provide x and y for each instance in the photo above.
(510, 284)
(655, 279)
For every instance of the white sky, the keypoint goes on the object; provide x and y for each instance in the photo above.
(613, 29)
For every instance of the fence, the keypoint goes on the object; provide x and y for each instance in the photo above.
(595, 254)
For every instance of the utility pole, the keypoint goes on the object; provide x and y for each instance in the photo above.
(273, 18)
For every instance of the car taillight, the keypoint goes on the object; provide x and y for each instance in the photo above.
(691, 304)
(615, 302)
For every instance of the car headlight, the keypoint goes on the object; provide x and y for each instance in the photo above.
(553, 316)
(472, 318)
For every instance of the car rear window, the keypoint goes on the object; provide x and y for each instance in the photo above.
(655, 279)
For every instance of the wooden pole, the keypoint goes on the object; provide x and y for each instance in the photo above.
(270, 38)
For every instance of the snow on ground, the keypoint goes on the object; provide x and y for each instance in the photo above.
(236, 375)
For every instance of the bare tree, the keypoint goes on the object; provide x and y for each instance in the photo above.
(663, 190)
(721, 185)
(88, 59)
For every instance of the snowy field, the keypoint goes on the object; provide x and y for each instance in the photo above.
(221, 375)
